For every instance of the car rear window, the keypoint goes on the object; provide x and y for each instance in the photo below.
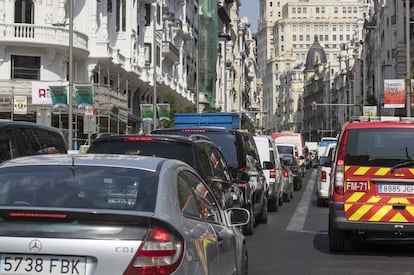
(379, 146)
(284, 149)
(79, 187)
(226, 142)
(156, 148)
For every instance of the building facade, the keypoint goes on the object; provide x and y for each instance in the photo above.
(129, 52)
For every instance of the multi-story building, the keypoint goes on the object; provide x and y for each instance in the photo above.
(128, 52)
(295, 25)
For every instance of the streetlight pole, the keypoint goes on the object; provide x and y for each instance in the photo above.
(154, 64)
(408, 60)
(70, 115)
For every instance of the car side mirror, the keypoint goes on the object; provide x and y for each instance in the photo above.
(238, 216)
(267, 165)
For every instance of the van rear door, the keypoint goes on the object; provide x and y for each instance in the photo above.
(379, 175)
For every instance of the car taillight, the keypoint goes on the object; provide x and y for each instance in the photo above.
(139, 139)
(285, 173)
(323, 176)
(272, 173)
(193, 131)
(339, 180)
(340, 166)
(160, 253)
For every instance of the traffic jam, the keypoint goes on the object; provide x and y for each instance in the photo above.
(190, 199)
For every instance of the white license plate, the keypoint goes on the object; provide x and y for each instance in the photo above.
(395, 189)
(42, 265)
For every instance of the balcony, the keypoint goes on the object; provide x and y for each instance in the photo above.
(170, 52)
(41, 36)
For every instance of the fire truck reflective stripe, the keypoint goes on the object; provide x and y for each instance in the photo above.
(360, 212)
(399, 201)
(398, 218)
(374, 199)
(379, 214)
(410, 210)
(399, 175)
(361, 171)
(355, 197)
(382, 171)
(411, 171)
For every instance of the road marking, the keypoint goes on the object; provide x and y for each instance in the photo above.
(297, 222)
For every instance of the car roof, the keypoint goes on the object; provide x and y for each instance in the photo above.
(196, 138)
(110, 160)
(205, 128)
(5, 122)
(379, 124)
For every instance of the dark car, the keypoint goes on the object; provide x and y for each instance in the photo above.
(22, 138)
(240, 152)
(202, 154)
(290, 161)
(114, 214)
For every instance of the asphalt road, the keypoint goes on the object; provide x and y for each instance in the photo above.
(295, 241)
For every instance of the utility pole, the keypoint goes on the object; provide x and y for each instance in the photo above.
(408, 58)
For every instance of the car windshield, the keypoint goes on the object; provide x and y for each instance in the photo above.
(79, 187)
(379, 147)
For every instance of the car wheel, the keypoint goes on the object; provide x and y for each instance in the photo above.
(244, 264)
(336, 238)
(296, 185)
(273, 204)
(319, 201)
(264, 213)
(286, 197)
(248, 228)
(281, 199)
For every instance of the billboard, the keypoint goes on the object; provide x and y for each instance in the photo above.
(394, 93)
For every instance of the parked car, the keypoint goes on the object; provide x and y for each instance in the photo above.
(22, 138)
(197, 151)
(239, 150)
(272, 169)
(372, 187)
(115, 214)
(324, 174)
(294, 167)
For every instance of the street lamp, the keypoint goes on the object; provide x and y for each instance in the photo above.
(408, 58)
(70, 91)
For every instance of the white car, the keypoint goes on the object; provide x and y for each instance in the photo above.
(324, 174)
(272, 169)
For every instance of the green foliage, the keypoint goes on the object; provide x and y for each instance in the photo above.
(170, 97)
(371, 100)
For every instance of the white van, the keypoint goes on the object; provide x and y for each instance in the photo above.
(295, 139)
(272, 168)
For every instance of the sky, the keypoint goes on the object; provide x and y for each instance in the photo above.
(250, 9)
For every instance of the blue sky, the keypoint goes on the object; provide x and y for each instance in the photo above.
(250, 9)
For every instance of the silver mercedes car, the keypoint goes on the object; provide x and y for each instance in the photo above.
(114, 214)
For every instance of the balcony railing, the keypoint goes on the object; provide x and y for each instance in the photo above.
(46, 35)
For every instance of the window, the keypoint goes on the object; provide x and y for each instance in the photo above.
(109, 6)
(335, 9)
(23, 12)
(25, 67)
(294, 37)
(147, 14)
(121, 15)
(317, 10)
(195, 199)
(147, 54)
